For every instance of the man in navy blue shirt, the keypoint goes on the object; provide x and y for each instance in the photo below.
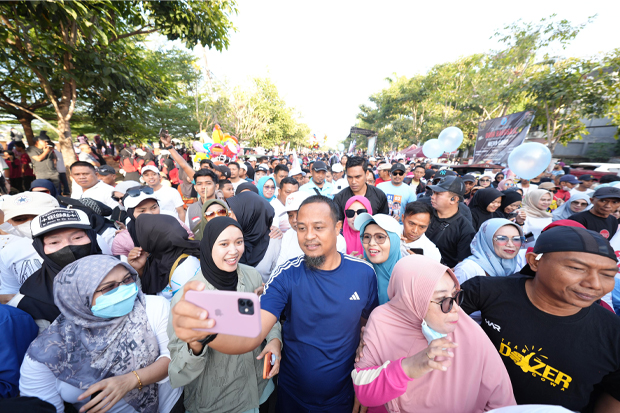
(325, 297)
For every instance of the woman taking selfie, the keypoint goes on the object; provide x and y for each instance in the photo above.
(108, 348)
(423, 354)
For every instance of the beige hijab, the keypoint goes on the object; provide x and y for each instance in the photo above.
(530, 204)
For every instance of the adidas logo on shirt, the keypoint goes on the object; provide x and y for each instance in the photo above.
(354, 296)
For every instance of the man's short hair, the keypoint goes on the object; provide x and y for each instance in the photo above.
(206, 172)
(82, 163)
(417, 207)
(418, 166)
(320, 199)
(356, 161)
(288, 180)
(20, 144)
(279, 168)
(605, 179)
(206, 161)
(234, 163)
(223, 183)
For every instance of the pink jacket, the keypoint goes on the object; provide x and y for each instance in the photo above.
(375, 386)
(123, 243)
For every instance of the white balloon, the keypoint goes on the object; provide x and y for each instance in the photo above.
(529, 160)
(432, 148)
(341, 147)
(451, 138)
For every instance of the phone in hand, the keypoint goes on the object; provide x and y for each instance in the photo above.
(418, 251)
(235, 313)
(529, 237)
(269, 361)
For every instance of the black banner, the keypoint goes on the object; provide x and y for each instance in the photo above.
(365, 132)
(498, 137)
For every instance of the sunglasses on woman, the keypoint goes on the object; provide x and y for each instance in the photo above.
(485, 180)
(108, 288)
(350, 213)
(581, 204)
(379, 238)
(447, 303)
(218, 213)
(503, 239)
(269, 188)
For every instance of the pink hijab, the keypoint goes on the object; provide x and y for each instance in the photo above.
(353, 237)
(502, 184)
(476, 381)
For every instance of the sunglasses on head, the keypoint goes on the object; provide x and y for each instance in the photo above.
(135, 191)
(218, 213)
(350, 213)
(447, 303)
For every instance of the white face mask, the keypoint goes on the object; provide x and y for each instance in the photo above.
(565, 188)
(24, 230)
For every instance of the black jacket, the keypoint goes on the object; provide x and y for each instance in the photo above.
(452, 236)
(377, 198)
(463, 209)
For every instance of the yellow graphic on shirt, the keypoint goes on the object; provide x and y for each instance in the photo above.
(531, 362)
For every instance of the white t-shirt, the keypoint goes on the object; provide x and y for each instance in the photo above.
(291, 249)
(182, 274)
(430, 250)
(169, 200)
(528, 189)
(588, 192)
(18, 261)
(280, 219)
(101, 192)
(268, 263)
(37, 380)
(236, 184)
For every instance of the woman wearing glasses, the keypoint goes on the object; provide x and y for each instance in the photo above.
(380, 235)
(423, 354)
(577, 203)
(485, 180)
(493, 251)
(267, 188)
(356, 205)
(109, 346)
(210, 209)
(499, 177)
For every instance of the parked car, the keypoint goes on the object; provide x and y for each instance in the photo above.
(597, 170)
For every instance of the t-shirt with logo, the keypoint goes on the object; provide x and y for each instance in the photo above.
(18, 261)
(398, 197)
(555, 360)
(607, 227)
(321, 332)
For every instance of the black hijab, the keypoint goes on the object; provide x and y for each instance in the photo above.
(479, 204)
(163, 237)
(255, 216)
(250, 173)
(510, 196)
(221, 280)
(246, 185)
(38, 289)
(496, 181)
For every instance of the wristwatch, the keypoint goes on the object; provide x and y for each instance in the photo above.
(169, 147)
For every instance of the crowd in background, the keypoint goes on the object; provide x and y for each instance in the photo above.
(385, 284)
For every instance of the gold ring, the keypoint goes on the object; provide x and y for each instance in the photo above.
(429, 357)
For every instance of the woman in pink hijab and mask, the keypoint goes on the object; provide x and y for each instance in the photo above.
(351, 235)
(423, 353)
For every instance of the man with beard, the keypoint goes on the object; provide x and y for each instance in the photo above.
(325, 296)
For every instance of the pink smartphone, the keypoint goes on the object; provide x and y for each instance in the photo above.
(235, 313)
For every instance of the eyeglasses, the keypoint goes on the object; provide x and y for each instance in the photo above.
(269, 187)
(135, 191)
(218, 213)
(507, 185)
(577, 203)
(130, 279)
(379, 238)
(447, 303)
(398, 173)
(503, 240)
(350, 213)
(484, 180)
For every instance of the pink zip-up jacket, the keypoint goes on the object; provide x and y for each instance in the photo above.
(375, 386)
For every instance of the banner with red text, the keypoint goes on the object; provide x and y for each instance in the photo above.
(498, 137)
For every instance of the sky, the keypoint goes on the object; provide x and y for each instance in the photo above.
(328, 57)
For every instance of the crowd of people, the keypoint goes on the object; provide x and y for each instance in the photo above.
(385, 285)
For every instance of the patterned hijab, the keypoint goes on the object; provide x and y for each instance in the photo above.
(82, 349)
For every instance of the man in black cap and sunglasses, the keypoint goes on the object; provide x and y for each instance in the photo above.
(559, 346)
(398, 194)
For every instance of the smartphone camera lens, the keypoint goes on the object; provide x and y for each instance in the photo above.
(250, 303)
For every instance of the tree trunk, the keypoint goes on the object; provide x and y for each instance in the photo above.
(66, 144)
(26, 122)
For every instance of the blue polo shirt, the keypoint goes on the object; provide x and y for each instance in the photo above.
(310, 187)
(322, 327)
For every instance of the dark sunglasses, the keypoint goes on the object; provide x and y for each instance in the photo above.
(484, 180)
(447, 303)
(135, 191)
(350, 213)
(130, 279)
(398, 173)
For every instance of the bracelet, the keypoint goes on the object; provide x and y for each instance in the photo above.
(207, 339)
(169, 147)
(139, 381)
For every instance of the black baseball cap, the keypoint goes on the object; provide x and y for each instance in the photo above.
(106, 170)
(444, 172)
(607, 192)
(398, 167)
(587, 177)
(451, 184)
(468, 178)
(319, 166)
(563, 239)
(224, 170)
(263, 168)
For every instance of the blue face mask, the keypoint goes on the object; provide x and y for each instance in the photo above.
(429, 333)
(116, 303)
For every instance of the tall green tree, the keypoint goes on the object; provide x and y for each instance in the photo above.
(54, 40)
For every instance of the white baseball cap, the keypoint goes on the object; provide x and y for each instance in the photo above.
(386, 222)
(59, 218)
(149, 168)
(337, 167)
(28, 203)
(243, 166)
(134, 201)
(122, 187)
(294, 201)
(140, 152)
(252, 159)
